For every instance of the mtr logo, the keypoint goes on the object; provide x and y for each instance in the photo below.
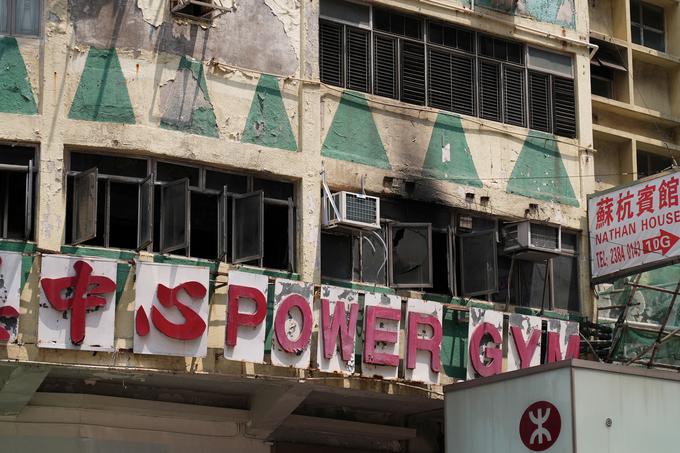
(540, 426)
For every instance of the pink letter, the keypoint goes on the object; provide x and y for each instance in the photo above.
(331, 328)
(374, 335)
(494, 354)
(525, 350)
(299, 302)
(424, 344)
(555, 351)
(234, 318)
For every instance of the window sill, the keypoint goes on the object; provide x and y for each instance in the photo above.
(16, 245)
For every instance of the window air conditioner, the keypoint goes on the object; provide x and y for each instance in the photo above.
(354, 210)
(531, 241)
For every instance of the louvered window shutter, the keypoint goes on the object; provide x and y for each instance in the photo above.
(358, 60)
(564, 107)
(413, 72)
(463, 83)
(385, 66)
(489, 90)
(331, 53)
(439, 89)
(539, 101)
(513, 96)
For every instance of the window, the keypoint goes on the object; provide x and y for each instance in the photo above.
(606, 66)
(423, 62)
(441, 250)
(650, 163)
(164, 207)
(17, 188)
(200, 10)
(20, 17)
(647, 24)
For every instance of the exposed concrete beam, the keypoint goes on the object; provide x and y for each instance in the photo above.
(348, 428)
(269, 408)
(17, 386)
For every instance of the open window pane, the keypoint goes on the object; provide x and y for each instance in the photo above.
(84, 206)
(478, 263)
(174, 216)
(145, 217)
(411, 252)
(223, 221)
(247, 227)
(28, 209)
(373, 258)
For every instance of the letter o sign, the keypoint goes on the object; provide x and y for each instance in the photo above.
(540, 426)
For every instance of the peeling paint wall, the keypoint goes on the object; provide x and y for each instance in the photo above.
(559, 12)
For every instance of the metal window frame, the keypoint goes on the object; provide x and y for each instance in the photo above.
(390, 251)
(75, 206)
(223, 225)
(11, 22)
(462, 238)
(187, 217)
(143, 242)
(234, 216)
(644, 27)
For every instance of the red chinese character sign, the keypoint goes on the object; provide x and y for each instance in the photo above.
(10, 289)
(293, 323)
(634, 228)
(339, 313)
(77, 303)
(540, 426)
(171, 310)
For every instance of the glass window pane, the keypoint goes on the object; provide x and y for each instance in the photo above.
(652, 16)
(635, 11)
(4, 16)
(145, 227)
(565, 269)
(637, 34)
(27, 17)
(174, 214)
(654, 40)
(569, 242)
(247, 228)
(216, 180)
(465, 40)
(171, 172)
(478, 263)
(336, 256)
(381, 19)
(550, 61)
(412, 27)
(274, 189)
(84, 206)
(373, 258)
(109, 165)
(411, 255)
(349, 12)
(529, 285)
(436, 34)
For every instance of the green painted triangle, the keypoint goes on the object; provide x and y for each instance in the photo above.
(268, 122)
(448, 156)
(16, 95)
(353, 135)
(102, 93)
(540, 173)
(196, 106)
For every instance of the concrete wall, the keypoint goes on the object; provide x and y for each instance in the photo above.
(125, 78)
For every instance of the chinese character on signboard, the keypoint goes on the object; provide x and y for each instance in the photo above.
(77, 303)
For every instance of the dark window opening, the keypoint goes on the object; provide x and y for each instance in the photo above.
(411, 255)
(336, 256)
(648, 24)
(204, 226)
(276, 236)
(17, 188)
(123, 212)
(650, 163)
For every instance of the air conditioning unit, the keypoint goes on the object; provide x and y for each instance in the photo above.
(354, 210)
(531, 241)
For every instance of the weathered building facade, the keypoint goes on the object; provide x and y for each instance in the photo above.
(136, 134)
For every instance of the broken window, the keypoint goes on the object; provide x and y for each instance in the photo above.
(17, 188)
(201, 10)
(411, 255)
(20, 17)
(478, 266)
(198, 212)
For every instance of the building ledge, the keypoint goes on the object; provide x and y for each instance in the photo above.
(634, 112)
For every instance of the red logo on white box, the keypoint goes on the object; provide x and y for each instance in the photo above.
(540, 426)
